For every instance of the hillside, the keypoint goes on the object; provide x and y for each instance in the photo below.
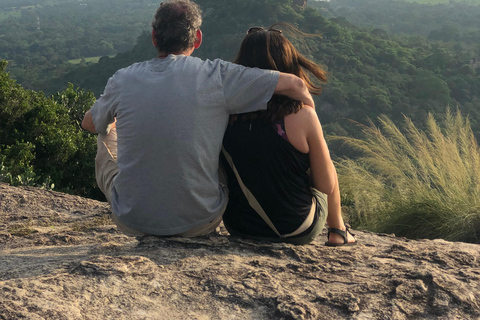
(39, 38)
(473, 2)
(62, 258)
(384, 57)
(457, 20)
(370, 72)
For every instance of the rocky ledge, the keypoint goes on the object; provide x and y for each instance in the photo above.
(62, 258)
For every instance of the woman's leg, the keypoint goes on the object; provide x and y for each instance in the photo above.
(334, 218)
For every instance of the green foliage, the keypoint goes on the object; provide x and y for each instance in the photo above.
(75, 101)
(428, 86)
(40, 39)
(400, 17)
(416, 184)
(444, 1)
(41, 142)
(423, 56)
(94, 77)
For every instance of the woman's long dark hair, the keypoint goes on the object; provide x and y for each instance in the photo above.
(270, 49)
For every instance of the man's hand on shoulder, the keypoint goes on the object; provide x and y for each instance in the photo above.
(293, 87)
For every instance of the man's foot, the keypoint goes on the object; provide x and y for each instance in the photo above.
(339, 237)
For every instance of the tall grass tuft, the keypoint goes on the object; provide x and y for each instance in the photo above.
(416, 184)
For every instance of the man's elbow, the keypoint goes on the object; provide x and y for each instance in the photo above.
(86, 125)
(288, 83)
(87, 122)
(299, 84)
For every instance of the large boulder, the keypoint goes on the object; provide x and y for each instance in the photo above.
(62, 258)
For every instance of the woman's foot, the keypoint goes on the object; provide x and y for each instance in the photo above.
(340, 237)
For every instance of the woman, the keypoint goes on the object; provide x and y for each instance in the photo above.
(273, 157)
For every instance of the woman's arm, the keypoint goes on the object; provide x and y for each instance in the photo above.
(305, 133)
(324, 175)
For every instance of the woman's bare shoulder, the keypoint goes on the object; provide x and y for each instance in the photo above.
(299, 126)
(305, 116)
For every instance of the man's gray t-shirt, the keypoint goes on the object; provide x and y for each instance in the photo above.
(171, 117)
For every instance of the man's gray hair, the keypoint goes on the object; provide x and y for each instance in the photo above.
(175, 25)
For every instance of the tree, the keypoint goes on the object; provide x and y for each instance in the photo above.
(41, 142)
(427, 85)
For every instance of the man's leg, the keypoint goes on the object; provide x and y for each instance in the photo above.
(106, 169)
(106, 162)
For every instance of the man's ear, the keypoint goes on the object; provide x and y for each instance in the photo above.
(154, 41)
(198, 41)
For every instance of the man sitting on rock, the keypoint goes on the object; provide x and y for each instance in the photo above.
(170, 114)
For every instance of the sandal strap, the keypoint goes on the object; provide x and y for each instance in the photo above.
(348, 229)
(344, 234)
(338, 231)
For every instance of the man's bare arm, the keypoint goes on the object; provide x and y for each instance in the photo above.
(293, 87)
(87, 122)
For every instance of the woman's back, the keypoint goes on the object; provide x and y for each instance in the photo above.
(274, 171)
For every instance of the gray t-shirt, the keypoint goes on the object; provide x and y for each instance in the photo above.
(171, 116)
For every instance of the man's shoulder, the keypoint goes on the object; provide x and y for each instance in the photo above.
(207, 63)
(133, 67)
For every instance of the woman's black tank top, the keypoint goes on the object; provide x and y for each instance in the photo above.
(276, 174)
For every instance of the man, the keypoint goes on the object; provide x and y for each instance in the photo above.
(170, 114)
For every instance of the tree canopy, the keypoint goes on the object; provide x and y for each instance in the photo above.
(371, 71)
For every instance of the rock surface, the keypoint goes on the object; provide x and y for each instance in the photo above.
(61, 257)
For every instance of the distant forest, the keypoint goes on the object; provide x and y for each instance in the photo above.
(384, 57)
(40, 37)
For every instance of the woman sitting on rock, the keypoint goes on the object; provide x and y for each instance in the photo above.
(273, 157)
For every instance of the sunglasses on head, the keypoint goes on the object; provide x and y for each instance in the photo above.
(257, 29)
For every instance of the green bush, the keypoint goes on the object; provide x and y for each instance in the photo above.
(413, 183)
(41, 142)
